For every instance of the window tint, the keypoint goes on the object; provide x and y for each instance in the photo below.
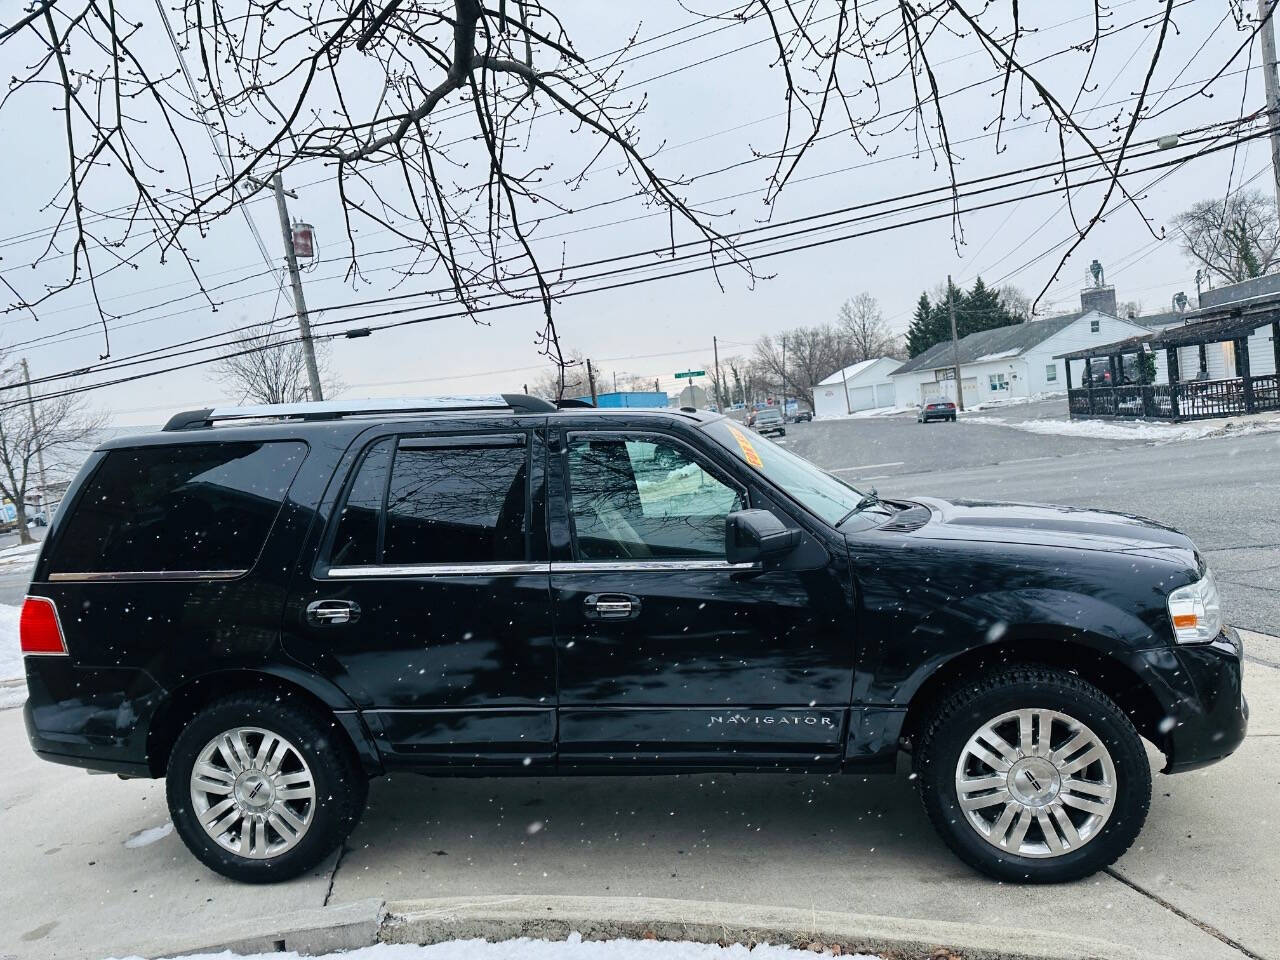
(200, 506)
(456, 504)
(356, 541)
(645, 499)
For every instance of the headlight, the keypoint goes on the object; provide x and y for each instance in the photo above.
(1196, 611)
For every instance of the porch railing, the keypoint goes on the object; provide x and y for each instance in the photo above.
(1196, 399)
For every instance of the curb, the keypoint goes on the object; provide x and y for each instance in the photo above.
(368, 922)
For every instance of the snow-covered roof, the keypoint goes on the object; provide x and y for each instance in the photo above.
(848, 373)
(1001, 355)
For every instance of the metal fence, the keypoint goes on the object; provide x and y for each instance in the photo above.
(1195, 400)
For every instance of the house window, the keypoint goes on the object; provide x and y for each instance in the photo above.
(999, 381)
(1095, 326)
(1051, 372)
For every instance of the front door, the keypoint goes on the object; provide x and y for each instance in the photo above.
(668, 655)
(428, 602)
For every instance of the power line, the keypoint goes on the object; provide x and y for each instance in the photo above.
(57, 336)
(617, 284)
(1047, 170)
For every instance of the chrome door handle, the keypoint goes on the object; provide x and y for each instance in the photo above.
(611, 606)
(332, 613)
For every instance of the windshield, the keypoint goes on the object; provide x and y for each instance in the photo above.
(820, 492)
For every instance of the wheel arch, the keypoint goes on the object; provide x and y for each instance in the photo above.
(185, 701)
(1110, 674)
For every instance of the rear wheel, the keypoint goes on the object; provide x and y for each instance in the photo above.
(1033, 776)
(262, 790)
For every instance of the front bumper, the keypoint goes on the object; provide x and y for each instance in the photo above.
(1200, 689)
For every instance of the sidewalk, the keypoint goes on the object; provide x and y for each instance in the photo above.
(88, 874)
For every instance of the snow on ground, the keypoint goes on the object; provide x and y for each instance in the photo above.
(144, 838)
(22, 553)
(1133, 429)
(575, 948)
(11, 694)
(873, 412)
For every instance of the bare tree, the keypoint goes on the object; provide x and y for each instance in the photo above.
(264, 366)
(1235, 239)
(55, 434)
(864, 330)
(1017, 303)
(796, 361)
(370, 87)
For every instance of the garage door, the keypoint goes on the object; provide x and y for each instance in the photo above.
(862, 398)
(886, 395)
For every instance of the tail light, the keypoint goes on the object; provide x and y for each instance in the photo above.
(39, 631)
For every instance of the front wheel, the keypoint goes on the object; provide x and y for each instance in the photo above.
(261, 789)
(1033, 776)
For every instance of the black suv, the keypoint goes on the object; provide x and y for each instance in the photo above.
(268, 606)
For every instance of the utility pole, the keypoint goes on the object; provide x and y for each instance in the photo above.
(844, 378)
(715, 349)
(31, 409)
(955, 343)
(1266, 29)
(304, 324)
(591, 379)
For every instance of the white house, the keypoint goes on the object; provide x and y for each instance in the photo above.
(863, 386)
(1012, 361)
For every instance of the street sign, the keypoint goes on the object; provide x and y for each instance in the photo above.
(690, 374)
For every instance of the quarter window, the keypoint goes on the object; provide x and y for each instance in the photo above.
(640, 499)
(436, 501)
(197, 507)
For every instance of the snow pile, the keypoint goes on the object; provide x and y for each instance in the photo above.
(144, 838)
(872, 412)
(1144, 431)
(575, 948)
(11, 694)
(23, 553)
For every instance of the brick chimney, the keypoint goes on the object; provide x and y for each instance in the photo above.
(1102, 299)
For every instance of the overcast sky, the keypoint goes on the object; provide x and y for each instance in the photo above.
(712, 115)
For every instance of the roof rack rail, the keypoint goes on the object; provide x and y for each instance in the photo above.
(336, 409)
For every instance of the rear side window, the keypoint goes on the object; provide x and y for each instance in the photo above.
(436, 501)
(199, 507)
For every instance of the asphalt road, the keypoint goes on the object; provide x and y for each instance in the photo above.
(1223, 492)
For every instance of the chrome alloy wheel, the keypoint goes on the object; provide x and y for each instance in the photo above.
(253, 793)
(1037, 783)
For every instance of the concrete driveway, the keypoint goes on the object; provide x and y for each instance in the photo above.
(90, 870)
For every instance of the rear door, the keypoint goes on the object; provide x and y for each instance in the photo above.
(428, 599)
(669, 655)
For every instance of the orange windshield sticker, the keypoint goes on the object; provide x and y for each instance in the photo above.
(748, 451)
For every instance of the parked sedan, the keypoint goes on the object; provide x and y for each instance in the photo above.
(936, 408)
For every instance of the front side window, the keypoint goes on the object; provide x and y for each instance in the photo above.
(197, 507)
(999, 381)
(436, 501)
(645, 498)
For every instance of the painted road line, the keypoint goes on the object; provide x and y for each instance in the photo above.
(866, 466)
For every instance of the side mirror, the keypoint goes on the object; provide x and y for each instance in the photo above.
(754, 535)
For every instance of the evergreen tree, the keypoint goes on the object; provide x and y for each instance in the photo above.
(981, 309)
(920, 332)
(977, 309)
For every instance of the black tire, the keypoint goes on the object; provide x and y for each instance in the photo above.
(340, 784)
(967, 707)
